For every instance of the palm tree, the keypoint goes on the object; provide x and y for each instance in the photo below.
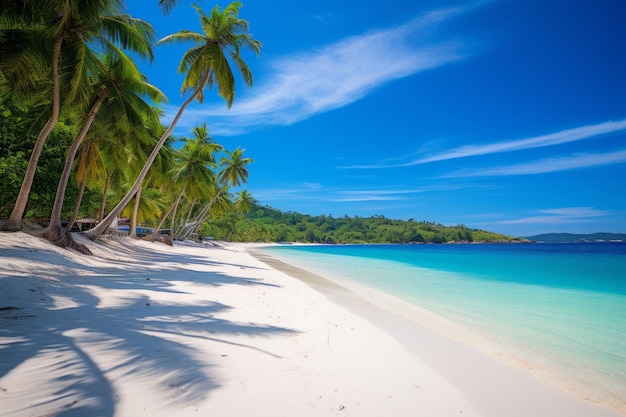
(192, 173)
(89, 167)
(107, 159)
(234, 173)
(156, 184)
(225, 34)
(244, 201)
(71, 29)
(119, 94)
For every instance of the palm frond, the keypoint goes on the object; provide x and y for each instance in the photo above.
(168, 5)
(208, 63)
(130, 33)
(246, 74)
(182, 36)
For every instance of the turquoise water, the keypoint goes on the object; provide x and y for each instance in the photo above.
(558, 309)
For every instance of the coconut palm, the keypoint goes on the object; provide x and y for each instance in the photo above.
(70, 29)
(147, 208)
(89, 167)
(234, 172)
(156, 185)
(244, 201)
(121, 162)
(192, 174)
(109, 158)
(119, 96)
(205, 64)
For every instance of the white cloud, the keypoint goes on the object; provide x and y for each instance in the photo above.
(313, 82)
(556, 138)
(373, 195)
(543, 166)
(317, 192)
(565, 215)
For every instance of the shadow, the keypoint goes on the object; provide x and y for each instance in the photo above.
(60, 321)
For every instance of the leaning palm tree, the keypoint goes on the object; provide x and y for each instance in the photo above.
(162, 161)
(89, 167)
(205, 64)
(192, 175)
(234, 172)
(119, 96)
(70, 29)
(108, 158)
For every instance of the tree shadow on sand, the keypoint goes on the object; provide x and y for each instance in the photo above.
(66, 330)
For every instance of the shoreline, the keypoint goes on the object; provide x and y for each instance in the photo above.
(410, 324)
(144, 328)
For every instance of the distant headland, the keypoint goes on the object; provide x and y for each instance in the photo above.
(574, 238)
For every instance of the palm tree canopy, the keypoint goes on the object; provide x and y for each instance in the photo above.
(224, 36)
(194, 160)
(244, 201)
(235, 170)
(125, 89)
(168, 5)
(85, 28)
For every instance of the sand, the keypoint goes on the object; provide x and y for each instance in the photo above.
(143, 328)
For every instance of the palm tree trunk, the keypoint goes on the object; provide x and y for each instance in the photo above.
(103, 199)
(191, 228)
(173, 226)
(14, 222)
(132, 231)
(193, 203)
(181, 226)
(79, 199)
(56, 233)
(161, 222)
(97, 231)
(171, 210)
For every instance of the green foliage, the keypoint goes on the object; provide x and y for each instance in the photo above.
(266, 224)
(571, 237)
(18, 132)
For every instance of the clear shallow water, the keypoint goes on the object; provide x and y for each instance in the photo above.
(560, 309)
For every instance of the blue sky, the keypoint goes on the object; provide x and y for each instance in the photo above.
(502, 115)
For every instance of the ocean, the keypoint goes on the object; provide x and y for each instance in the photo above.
(558, 310)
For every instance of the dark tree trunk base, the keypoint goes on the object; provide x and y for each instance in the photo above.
(159, 238)
(89, 236)
(12, 226)
(62, 238)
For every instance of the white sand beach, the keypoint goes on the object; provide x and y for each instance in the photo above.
(143, 328)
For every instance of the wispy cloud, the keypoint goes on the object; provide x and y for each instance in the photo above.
(556, 138)
(546, 165)
(566, 215)
(373, 195)
(317, 192)
(304, 191)
(308, 83)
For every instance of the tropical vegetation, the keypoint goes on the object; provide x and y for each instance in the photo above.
(578, 237)
(76, 116)
(267, 224)
(81, 138)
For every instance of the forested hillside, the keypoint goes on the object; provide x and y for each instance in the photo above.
(266, 224)
(571, 237)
